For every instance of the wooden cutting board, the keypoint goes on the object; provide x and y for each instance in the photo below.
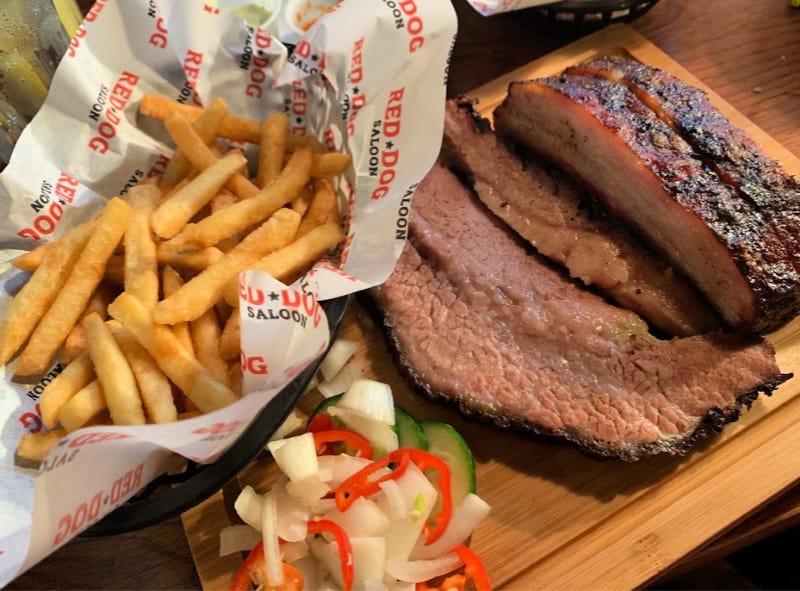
(561, 520)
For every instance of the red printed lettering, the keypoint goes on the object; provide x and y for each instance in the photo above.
(72, 523)
(255, 365)
(159, 38)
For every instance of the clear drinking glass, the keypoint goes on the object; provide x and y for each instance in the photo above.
(34, 35)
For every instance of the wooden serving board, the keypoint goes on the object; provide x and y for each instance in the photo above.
(561, 520)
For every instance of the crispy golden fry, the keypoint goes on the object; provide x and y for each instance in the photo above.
(36, 446)
(172, 282)
(181, 367)
(173, 214)
(205, 338)
(141, 266)
(202, 157)
(202, 291)
(230, 341)
(303, 199)
(206, 126)
(239, 129)
(75, 376)
(322, 205)
(188, 414)
(247, 213)
(273, 146)
(114, 374)
(75, 345)
(87, 403)
(218, 203)
(189, 259)
(30, 261)
(154, 386)
(235, 377)
(115, 270)
(70, 302)
(292, 258)
(41, 290)
(330, 164)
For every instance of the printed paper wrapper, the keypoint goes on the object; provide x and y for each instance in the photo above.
(369, 78)
(490, 7)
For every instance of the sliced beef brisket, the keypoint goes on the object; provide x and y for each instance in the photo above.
(603, 134)
(478, 319)
(725, 148)
(570, 227)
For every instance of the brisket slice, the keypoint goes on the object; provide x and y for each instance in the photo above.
(725, 148)
(479, 320)
(570, 227)
(608, 138)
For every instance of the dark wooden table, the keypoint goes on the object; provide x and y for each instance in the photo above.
(746, 50)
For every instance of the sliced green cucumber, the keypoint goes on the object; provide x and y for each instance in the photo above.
(447, 443)
(409, 432)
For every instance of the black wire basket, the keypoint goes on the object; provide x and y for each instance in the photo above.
(596, 13)
(172, 494)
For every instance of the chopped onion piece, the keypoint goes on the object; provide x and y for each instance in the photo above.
(380, 435)
(292, 516)
(328, 555)
(465, 517)
(371, 398)
(296, 456)
(340, 467)
(362, 519)
(307, 491)
(419, 496)
(338, 385)
(293, 551)
(312, 573)
(269, 533)
(416, 571)
(248, 507)
(374, 585)
(394, 498)
(340, 353)
(292, 425)
(237, 538)
(393, 584)
(369, 555)
(323, 506)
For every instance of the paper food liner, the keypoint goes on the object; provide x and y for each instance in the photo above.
(369, 78)
(490, 7)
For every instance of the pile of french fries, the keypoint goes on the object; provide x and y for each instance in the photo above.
(141, 301)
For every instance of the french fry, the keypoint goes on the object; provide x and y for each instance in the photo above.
(292, 258)
(41, 290)
(189, 259)
(205, 338)
(273, 145)
(180, 366)
(114, 374)
(322, 205)
(200, 293)
(206, 126)
(75, 376)
(330, 164)
(87, 403)
(230, 341)
(141, 266)
(86, 274)
(247, 213)
(36, 446)
(173, 214)
(202, 157)
(172, 282)
(239, 129)
(153, 385)
(30, 261)
(235, 377)
(303, 199)
(218, 203)
(76, 343)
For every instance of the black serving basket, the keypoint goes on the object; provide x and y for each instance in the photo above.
(172, 494)
(596, 13)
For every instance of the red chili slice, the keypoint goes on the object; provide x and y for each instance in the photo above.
(343, 542)
(323, 439)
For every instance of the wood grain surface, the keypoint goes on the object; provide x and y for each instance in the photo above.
(744, 50)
